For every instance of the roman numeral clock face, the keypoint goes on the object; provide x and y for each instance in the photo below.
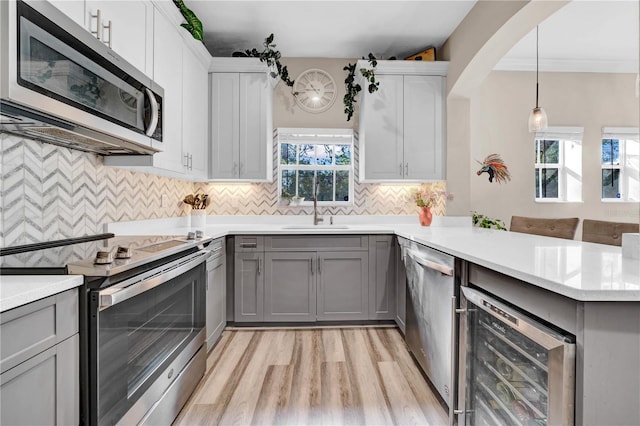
(315, 90)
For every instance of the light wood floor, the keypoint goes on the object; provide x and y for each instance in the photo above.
(330, 376)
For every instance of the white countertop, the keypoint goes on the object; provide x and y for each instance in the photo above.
(581, 271)
(18, 290)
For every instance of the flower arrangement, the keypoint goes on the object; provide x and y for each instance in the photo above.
(197, 201)
(426, 197)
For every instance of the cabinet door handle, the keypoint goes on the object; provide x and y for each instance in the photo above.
(109, 26)
(98, 32)
(190, 161)
(249, 245)
(319, 267)
(235, 168)
(186, 161)
(312, 270)
(401, 169)
(406, 170)
(259, 266)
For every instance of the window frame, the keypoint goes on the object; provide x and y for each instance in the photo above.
(624, 136)
(564, 136)
(309, 136)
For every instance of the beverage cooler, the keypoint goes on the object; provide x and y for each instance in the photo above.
(513, 370)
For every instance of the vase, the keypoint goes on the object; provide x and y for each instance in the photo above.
(198, 218)
(425, 216)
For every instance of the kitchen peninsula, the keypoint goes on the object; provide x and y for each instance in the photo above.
(588, 290)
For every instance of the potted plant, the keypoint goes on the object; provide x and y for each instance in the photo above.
(426, 198)
(285, 197)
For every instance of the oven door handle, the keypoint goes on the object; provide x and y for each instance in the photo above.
(113, 295)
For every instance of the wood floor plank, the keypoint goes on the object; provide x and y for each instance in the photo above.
(404, 406)
(364, 377)
(240, 407)
(332, 343)
(338, 407)
(312, 376)
(431, 407)
(305, 399)
(273, 402)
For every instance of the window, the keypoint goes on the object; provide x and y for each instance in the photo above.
(309, 154)
(620, 160)
(558, 165)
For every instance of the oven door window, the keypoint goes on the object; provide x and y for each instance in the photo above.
(139, 337)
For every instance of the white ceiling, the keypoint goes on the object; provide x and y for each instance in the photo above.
(329, 29)
(585, 35)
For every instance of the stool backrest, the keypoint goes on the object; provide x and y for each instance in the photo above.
(559, 228)
(599, 231)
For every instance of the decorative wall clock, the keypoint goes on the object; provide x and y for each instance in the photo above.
(315, 90)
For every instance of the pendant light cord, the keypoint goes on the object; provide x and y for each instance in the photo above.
(537, 41)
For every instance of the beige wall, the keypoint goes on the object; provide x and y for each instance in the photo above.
(286, 113)
(499, 112)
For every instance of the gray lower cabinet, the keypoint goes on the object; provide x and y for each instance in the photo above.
(290, 286)
(39, 380)
(400, 288)
(216, 294)
(382, 291)
(343, 285)
(248, 287)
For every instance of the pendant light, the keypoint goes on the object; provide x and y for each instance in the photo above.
(538, 117)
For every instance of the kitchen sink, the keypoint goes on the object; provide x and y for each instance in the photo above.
(311, 227)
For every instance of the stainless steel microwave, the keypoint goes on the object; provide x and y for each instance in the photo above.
(61, 85)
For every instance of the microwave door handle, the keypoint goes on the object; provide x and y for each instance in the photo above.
(153, 121)
(443, 269)
(112, 296)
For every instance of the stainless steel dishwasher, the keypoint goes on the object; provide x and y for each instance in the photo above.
(430, 310)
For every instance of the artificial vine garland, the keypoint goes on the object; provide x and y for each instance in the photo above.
(271, 57)
(193, 25)
(352, 88)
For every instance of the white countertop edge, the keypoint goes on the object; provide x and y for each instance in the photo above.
(19, 290)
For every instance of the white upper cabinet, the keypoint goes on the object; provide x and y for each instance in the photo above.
(241, 146)
(195, 117)
(74, 9)
(401, 132)
(123, 26)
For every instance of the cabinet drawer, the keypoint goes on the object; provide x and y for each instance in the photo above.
(317, 243)
(30, 329)
(248, 243)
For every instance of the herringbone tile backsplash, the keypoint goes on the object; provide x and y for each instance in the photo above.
(49, 192)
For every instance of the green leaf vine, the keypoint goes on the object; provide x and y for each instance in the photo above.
(271, 57)
(482, 221)
(193, 25)
(353, 88)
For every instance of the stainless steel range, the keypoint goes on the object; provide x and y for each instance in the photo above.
(142, 322)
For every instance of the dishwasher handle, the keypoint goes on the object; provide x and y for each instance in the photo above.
(443, 269)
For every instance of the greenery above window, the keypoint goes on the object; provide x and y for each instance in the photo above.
(271, 57)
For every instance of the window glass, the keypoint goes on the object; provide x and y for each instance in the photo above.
(288, 153)
(305, 184)
(610, 183)
(343, 155)
(558, 164)
(342, 185)
(307, 154)
(610, 151)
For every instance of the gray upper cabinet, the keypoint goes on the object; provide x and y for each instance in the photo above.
(39, 384)
(382, 292)
(249, 287)
(290, 286)
(241, 120)
(343, 285)
(402, 125)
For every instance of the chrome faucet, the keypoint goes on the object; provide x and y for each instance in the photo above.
(316, 219)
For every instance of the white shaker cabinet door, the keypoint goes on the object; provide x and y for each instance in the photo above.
(194, 115)
(423, 127)
(127, 35)
(225, 125)
(167, 72)
(74, 9)
(381, 131)
(255, 127)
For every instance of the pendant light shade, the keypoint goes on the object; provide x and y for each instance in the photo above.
(538, 117)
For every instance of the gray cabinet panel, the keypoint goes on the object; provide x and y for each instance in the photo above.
(43, 390)
(343, 286)
(401, 289)
(216, 299)
(289, 286)
(316, 243)
(382, 292)
(30, 329)
(249, 287)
